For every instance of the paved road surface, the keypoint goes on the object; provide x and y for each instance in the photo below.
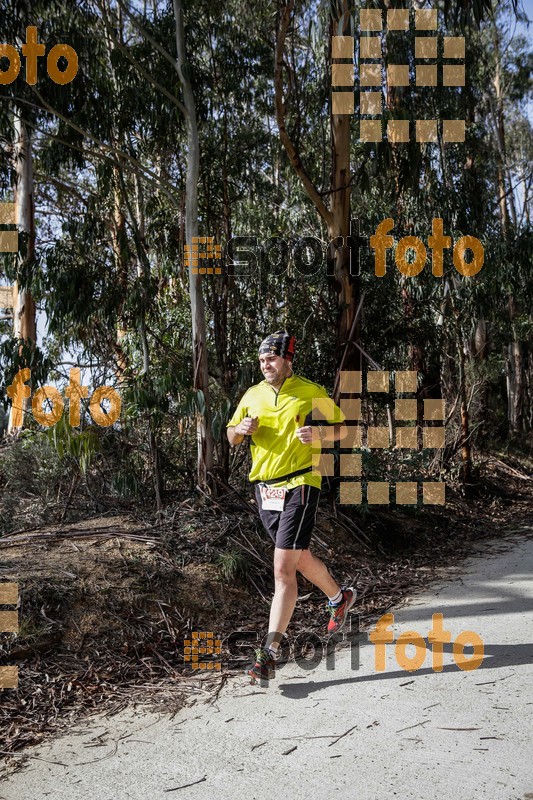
(450, 735)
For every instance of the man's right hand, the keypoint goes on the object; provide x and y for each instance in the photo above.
(248, 426)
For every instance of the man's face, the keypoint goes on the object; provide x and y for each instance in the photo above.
(274, 368)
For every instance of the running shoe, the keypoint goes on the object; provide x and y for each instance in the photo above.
(338, 614)
(264, 667)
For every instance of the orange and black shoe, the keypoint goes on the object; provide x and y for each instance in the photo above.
(264, 668)
(339, 613)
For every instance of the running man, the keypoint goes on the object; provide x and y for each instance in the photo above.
(277, 416)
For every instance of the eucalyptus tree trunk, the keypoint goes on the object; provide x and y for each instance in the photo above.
(24, 327)
(466, 450)
(516, 385)
(515, 365)
(481, 347)
(465, 474)
(118, 240)
(500, 141)
(118, 219)
(516, 376)
(226, 287)
(199, 337)
(336, 215)
(339, 226)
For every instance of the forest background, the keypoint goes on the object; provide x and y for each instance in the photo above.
(188, 120)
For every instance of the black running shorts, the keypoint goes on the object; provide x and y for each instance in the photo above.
(291, 528)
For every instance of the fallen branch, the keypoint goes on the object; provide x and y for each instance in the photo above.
(185, 785)
(342, 736)
(511, 469)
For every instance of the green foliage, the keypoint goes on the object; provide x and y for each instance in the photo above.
(233, 566)
(79, 447)
(110, 167)
(30, 473)
(125, 483)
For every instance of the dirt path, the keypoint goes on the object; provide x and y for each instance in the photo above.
(342, 732)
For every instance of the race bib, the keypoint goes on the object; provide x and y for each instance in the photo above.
(272, 499)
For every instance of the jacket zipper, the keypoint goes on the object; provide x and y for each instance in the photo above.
(277, 393)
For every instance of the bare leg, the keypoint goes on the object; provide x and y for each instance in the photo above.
(286, 562)
(286, 592)
(316, 571)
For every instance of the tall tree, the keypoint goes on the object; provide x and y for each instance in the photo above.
(24, 305)
(199, 336)
(335, 214)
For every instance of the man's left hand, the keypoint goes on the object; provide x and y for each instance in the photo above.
(308, 434)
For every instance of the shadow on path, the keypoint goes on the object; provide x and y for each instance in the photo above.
(496, 656)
